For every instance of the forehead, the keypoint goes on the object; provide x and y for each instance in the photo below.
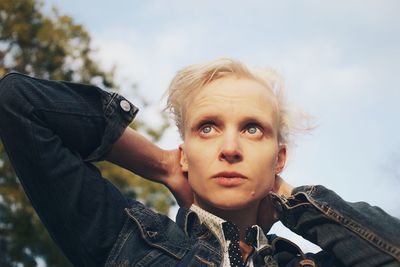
(233, 97)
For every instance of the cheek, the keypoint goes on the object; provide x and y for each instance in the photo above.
(196, 163)
(264, 168)
(200, 154)
(267, 160)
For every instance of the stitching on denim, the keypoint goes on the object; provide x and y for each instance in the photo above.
(205, 244)
(120, 241)
(113, 96)
(364, 232)
(145, 238)
(152, 233)
(311, 190)
(186, 221)
(211, 264)
(297, 205)
(211, 247)
(123, 263)
(151, 256)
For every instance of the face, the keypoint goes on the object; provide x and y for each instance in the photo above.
(231, 151)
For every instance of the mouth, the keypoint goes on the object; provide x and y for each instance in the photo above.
(229, 179)
(229, 175)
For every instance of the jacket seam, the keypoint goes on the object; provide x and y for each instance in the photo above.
(147, 241)
(355, 227)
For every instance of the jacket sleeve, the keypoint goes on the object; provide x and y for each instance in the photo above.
(356, 234)
(52, 131)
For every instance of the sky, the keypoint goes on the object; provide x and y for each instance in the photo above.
(340, 61)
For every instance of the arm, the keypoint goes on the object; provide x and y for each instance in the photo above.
(357, 234)
(137, 154)
(52, 131)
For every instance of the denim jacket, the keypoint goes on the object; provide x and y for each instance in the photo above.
(53, 130)
(344, 230)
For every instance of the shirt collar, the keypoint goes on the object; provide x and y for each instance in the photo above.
(214, 223)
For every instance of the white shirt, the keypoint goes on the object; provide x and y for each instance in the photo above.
(214, 223)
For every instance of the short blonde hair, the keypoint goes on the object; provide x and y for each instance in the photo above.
(189, 80)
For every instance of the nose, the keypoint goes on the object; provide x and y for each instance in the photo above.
(231, 150)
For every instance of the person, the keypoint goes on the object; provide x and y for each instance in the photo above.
(224, 175)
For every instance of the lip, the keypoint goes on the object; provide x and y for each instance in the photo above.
(229, 179)
(229, 175)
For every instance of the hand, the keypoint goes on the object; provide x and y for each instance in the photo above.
(176, 180)
(267, 214)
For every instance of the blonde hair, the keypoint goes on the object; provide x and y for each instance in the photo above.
(189, 80)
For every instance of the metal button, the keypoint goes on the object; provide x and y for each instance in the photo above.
(125, 105)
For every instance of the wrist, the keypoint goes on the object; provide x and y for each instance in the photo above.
(164, 162)
(168, 164)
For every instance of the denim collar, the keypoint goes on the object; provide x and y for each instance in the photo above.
(189, 221)
(255, 235)
(157, 233)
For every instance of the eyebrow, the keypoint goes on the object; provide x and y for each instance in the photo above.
(245, 120)
(203, 119)
(267, 126)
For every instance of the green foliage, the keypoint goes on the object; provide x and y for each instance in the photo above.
(53, 46)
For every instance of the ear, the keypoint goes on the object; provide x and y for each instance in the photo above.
(183, 159)
(281, 160)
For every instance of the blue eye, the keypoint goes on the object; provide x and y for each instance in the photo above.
(206, 129)
(252, 129)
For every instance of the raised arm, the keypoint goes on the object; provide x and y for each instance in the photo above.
(356, 234)
(52, 131)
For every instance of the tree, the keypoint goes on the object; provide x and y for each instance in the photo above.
(52, 46)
